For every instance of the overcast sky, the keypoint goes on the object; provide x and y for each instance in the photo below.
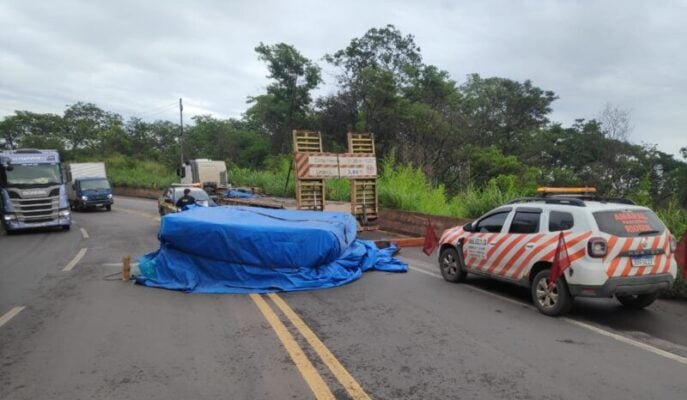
(138, 58)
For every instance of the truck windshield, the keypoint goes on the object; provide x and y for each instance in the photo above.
(95, 184)
(33, 174)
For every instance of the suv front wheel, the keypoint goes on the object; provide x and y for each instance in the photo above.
(452, 265)
(552, 301)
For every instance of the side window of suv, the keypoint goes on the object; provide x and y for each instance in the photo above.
(525, 222)
(492, 223)
(560, 221)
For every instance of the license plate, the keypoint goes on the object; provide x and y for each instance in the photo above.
(643, 261)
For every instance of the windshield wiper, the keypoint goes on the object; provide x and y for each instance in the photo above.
(651, 232)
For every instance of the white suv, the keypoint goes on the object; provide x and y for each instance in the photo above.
(615, 247)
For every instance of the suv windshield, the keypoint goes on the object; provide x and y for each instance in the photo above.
(33, 174)
(95, 184)
(625, 223)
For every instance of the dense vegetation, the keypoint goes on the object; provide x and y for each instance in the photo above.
(447, 147)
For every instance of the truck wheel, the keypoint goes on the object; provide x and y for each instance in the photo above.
(108, 207)
(452, 265)
(7, 230)
(553, 302)
(637, 301)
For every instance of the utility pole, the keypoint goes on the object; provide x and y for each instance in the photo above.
(181, 135)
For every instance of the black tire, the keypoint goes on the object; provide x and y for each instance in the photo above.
(452, 265)
(7, 230)
(637, 301)
(108, 207)
(66, 227)
(71, 205)
(552, 302)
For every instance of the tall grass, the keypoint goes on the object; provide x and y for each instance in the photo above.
(675, 217)
(130, 172)
(407, 188)
(399, 186)
(271, 182)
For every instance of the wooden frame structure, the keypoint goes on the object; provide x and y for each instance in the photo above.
(313, 166)
(310, 194)
(364, 199)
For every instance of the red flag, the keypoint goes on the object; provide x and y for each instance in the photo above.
(430, 239)
(561, 261)
(681, 254)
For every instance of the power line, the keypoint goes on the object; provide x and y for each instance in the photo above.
(167, 108)
(159, 107)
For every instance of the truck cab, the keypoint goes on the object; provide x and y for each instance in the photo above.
(91, 192)
(207, 174)
(88, 186)
(32, 192)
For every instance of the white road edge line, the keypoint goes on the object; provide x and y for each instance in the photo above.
(84, 233)
(600, 331)
(75, 260)
(627, 340)
(423, 271)
(11, 314)
(519, 303)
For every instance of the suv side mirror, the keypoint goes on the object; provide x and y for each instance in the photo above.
(467, 227)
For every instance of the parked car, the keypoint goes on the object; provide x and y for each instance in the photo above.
(167, 202)
(615, 248)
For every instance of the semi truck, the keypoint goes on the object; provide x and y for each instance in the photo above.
(203, 172)
(32, 192)
(87, 186)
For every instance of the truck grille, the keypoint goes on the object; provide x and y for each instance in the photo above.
(36, 209)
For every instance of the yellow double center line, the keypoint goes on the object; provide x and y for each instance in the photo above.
(305, 367)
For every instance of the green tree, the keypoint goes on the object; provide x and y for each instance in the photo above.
(501, 111)
(86, 126)
(33, 130)
(236, 142)
(286, 104)
(374, 70)
(381, 49)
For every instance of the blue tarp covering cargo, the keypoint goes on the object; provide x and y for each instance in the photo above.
(251, 250)
(239, 194)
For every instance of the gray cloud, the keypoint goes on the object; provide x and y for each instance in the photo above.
(138, 58)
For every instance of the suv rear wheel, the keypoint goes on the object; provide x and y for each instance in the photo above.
(552, 301)
(452, 265)
(637, 301)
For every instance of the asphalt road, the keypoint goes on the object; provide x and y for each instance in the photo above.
(83, 334)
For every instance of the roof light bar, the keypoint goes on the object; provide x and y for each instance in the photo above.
(565, 190)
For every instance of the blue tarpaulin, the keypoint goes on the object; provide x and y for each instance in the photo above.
(239, 194)
(253, 250)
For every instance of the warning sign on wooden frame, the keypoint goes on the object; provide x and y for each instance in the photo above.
(317, 165)
(332, 165)
(357, 166)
